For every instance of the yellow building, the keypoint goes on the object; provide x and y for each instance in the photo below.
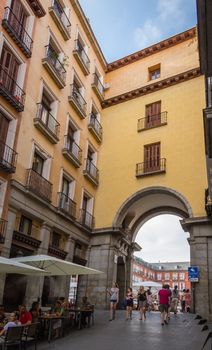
(101, 147)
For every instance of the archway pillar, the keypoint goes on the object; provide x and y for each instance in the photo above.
(200, 241)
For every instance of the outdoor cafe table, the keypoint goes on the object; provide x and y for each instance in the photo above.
(79, 313)
(49, 320)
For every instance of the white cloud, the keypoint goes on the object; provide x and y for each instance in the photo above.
(170, 11)
(147, 34)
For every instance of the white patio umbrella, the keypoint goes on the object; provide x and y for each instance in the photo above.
(56, 267)
(148, 284)
(12, 266)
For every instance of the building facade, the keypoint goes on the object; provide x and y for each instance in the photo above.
(174, 274)
(91, 150)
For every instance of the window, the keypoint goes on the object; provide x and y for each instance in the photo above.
(175, 276)
(25, 225)
(56, 237)
(182, 276)
(159, 276)
(167, 276)
(86, 210)
(38, 163)
(152, 157)
(154, 72)
(153, 114)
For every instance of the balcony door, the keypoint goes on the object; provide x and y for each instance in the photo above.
(153, 114)
(4, 125)
(38, 163)
(9, 70)
(152, 157)
(18, 17)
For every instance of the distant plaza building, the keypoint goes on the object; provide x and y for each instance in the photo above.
(172, 273)
(91, 150)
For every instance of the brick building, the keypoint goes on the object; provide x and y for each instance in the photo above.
(172, 273)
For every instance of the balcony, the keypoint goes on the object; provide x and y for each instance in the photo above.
(57, 252)
(10, 90)
(47, 124)
(153, 121)
(98, 87)
(15, 29)
(81, 57)
(8, 158)
(38, 185)
(66, 205)
(3, 227)
(86, 219)
(95, 127)
(152, 167)
(54, 67)
(26, 239)
(208, 203)
(91, 172)
(79, 257)
(61, 20)
(77, 101)
(72, 152)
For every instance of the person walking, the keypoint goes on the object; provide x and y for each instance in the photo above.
(149, 299)
(187, 300)
(129, 304)
(175, 299)
(114, 298)
(164, 295)
(183, 297)
(142, 299)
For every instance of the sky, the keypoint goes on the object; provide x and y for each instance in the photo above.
(163, 239)
(123, 27)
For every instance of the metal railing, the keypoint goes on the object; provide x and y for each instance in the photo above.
(62, 16)
(151, 166)
(8, 157)
(10, 89)
(66, 204)
(152, 121)
(38, 185)
(47, 119)
(78, 98)
(91, 169)
(81, 52)
(95, 124)
(3, 227)
(18, 31)
(56, 64)
(72, 148)
(55, 251)
(97, 82)
(86, 219)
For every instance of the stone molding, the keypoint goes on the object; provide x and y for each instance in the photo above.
(147, 89)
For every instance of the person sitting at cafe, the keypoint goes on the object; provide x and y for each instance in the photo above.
(35, 311)
(25, 316)
(85, 309)
(57, 310)
(13, 322)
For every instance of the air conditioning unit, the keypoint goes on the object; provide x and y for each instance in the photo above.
(106, 86)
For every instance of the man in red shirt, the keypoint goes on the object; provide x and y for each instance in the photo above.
(164, 302)
(25, 316)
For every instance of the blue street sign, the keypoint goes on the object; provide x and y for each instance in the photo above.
(193, 273)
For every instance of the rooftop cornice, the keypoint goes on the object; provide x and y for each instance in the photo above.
(37, 8)
(147, 89)
(91, 36)
(162, 45)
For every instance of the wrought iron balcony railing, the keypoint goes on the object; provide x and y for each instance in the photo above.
(26, 239)
(57, 252)
(8, 158)
(47, 123)
(11, 90)
(152, 121)
(66, 205)
(78, 100)
(82, 56)
(87, 219)
(155, 165)
(61, 19)
(16, 30)
(72, 151)
(39, 185)
(95, 126)
(3, 227)
(91, 171)
(98, 86)
(54, 66)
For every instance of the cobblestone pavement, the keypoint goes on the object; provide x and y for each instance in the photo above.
(182, 333)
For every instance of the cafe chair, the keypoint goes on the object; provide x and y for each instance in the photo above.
(30, 335)
(12, 338)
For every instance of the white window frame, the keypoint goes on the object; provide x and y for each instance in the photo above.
(46, 157)
(90, 202)
(3, 189)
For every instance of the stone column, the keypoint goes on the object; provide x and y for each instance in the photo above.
(34, 286)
